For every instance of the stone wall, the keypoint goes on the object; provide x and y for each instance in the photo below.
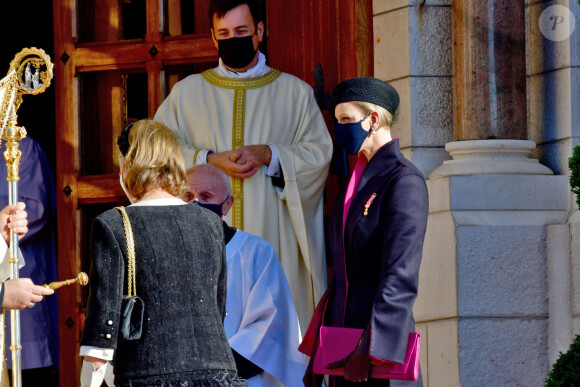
(413, 52)
(553, 72)
(484, 273)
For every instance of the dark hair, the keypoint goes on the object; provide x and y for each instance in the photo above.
(219, 8)
(123, 140)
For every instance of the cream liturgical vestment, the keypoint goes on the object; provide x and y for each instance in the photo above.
(208, 111)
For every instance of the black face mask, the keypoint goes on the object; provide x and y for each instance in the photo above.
(351, 136)
(237, 53)
(215, 208)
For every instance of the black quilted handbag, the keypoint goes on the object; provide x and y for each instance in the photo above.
(132, 306)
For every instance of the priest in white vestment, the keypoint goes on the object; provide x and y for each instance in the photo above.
(261, 322)
(264, 129)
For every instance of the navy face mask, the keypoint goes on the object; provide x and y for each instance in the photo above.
(237, 53)
(215, 208)
(351, 135)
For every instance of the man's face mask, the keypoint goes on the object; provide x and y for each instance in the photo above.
(215, 208)
(237, 53)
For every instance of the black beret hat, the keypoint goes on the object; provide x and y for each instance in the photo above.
(367, 89)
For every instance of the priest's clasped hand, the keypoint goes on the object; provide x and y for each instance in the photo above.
(252, 155)
(243, 162)
(223, 161)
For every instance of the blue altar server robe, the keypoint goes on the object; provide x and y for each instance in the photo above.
(39, 325)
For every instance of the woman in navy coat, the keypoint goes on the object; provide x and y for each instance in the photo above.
(376, 232)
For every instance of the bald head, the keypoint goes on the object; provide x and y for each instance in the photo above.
(209, 185)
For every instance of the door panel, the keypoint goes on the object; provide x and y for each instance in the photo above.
(337, 36)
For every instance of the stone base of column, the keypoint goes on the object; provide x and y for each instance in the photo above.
(485, 264)
(477, 157)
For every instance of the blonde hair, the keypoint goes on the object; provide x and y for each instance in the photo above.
(385, 117)
(153, 160)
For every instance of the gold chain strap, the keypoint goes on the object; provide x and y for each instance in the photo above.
(131, 278)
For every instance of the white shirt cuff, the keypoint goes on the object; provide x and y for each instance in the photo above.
(5, 266)
(274, 168)
(201, 157)
(99, 353)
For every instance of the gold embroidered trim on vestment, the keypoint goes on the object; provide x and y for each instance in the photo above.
(195, 156)
(237, 142)
(235, 83)
(239, 86)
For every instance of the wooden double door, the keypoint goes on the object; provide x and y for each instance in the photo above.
(116, 60)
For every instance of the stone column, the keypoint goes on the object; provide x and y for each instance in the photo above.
(554, 113)
(494, 261)
(489, 60)
(492, 265)
(413, 52)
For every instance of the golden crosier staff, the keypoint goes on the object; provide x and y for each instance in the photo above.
(30, 73)
(8, 93)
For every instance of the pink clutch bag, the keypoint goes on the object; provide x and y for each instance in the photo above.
(336, 343)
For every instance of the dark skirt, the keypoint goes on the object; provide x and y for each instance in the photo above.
(209, 378)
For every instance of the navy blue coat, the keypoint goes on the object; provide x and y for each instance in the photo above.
(376, 274)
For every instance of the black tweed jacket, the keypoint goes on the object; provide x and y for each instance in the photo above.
(181, 277)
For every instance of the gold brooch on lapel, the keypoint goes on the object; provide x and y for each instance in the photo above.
(368, 204)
